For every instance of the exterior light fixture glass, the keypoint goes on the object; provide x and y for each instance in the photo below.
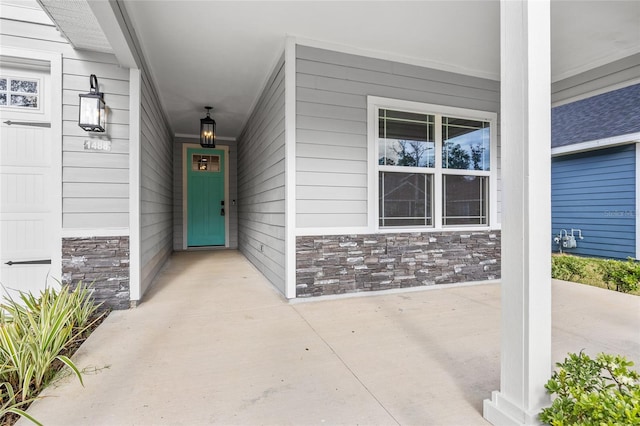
(208, 130)
(93, 115)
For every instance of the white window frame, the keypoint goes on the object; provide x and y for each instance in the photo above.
(374, 104)
(39, 95)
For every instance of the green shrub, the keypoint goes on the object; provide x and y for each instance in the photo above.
(567, 268)
(601, 391)
(34, 333)
(623, 276)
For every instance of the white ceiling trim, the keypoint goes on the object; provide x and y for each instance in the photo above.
(190, 136)
(596, 92)
(375, 54)
(604, 60)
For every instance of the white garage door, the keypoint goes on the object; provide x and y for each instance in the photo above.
(26, 237)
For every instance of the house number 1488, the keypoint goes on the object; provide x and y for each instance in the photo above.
(97, 145)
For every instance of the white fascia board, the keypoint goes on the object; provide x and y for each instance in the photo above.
(595, 144)
(114, 32)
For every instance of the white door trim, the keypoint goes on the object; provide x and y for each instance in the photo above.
(225, 148)
(55, 103)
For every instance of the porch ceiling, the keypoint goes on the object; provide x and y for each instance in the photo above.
(219, 53)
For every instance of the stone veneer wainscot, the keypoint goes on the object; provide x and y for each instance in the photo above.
(103, 261)
(339, 264)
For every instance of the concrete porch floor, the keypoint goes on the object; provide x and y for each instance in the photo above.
(214, 343)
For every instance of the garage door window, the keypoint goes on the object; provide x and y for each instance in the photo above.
(19, 93)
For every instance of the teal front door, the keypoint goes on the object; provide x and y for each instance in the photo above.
(206, 207)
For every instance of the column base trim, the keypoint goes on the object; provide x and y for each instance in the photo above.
(500, 411)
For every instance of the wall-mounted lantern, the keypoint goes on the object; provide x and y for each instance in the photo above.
(208, 130)
(93, 115)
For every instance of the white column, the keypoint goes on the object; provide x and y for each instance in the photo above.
(290, 167)
(526, 215)
(135, 254)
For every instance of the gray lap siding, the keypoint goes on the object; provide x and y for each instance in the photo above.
(331, 125)
(332, 179)
(261, 182)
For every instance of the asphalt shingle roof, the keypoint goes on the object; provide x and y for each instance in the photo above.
(609, 114)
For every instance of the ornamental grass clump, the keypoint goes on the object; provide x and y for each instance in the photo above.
(10, 405)
(601, 391)
(34, 334)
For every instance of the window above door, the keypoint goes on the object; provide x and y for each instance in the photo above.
(205, 163)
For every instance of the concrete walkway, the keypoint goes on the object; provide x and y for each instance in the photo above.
(214, 343)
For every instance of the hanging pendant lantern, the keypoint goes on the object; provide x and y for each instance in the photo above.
(208, 130)
(93, 114)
